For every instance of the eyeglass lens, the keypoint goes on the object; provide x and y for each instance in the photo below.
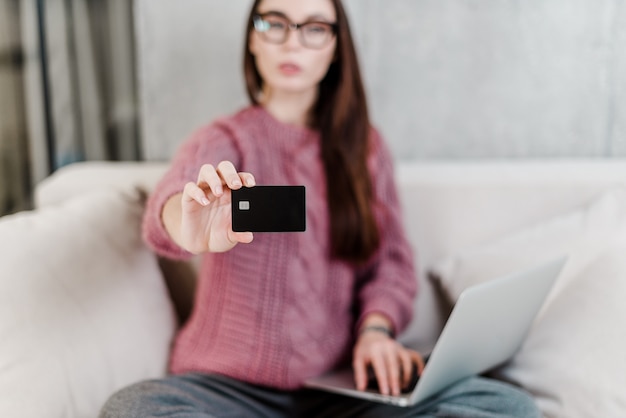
(275, 29)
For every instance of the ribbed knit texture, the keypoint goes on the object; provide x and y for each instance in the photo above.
(279, 310)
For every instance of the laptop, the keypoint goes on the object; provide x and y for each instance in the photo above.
(486, 327)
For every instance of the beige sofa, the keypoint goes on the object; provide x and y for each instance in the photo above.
(85, 309)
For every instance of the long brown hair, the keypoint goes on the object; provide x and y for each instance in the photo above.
(340, 114)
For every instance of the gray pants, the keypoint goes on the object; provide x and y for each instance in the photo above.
(198, 395)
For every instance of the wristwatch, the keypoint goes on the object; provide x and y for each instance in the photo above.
(377, 328)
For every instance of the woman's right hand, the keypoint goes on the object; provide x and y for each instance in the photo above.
(205, 210)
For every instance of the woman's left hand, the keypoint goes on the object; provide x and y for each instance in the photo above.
(389, 359)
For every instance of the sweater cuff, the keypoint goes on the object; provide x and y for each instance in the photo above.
(155, 234)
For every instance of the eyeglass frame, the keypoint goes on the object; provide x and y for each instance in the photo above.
(291, 26)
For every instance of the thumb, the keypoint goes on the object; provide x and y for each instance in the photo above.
(243, 237)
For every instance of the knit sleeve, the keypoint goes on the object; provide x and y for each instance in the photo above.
(208, 145)
(388, 285)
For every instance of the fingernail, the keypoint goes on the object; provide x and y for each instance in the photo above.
(236, 183)
(219, 190)
(205, 201)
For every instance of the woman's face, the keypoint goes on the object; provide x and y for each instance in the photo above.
(291, 67)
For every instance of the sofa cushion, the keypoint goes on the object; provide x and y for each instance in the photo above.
(573, 358)
(83, 307)
(83, 177)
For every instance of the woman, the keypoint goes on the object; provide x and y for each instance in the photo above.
(272, 310)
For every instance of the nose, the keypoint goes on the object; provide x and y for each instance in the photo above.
(293, 41)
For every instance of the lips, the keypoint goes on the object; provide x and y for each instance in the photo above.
(289, 68)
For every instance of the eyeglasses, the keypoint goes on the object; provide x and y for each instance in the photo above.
(274, 28)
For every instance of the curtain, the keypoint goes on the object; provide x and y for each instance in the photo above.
(67, 89)
(14, 173)
(80, 82)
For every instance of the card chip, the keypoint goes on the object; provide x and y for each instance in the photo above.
(244, 205)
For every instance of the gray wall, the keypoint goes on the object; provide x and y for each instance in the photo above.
(446, 78)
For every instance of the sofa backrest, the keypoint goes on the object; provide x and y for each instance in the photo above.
(448, 206)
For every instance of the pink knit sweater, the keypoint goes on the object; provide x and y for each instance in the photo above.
(279, 310)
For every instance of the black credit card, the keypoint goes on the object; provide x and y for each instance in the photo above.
(269, 209)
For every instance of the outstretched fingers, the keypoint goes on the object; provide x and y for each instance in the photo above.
(192, 192)
(232, 179)
(209, 179)
(228, 175)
